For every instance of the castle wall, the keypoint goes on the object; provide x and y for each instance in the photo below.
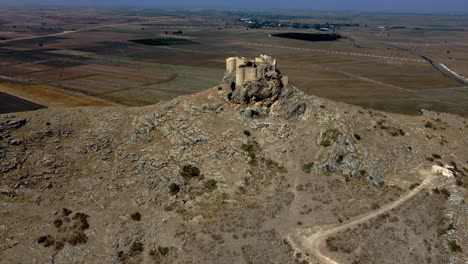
(250, 74)
(260, 71)
(259, 60)
(240, 62)
(251, 70)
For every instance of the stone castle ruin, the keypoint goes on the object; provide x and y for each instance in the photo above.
(257, 88)
(240, 70)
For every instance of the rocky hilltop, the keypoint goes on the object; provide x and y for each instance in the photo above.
(233, 175)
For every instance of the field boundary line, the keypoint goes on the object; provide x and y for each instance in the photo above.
(329, 51)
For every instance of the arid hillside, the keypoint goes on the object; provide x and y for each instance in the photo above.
(261, 174)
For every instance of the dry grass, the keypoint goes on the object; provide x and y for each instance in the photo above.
(50, 96)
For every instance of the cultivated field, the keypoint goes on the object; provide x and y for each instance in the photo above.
(50, 96)
(14, 104)
(174, 53)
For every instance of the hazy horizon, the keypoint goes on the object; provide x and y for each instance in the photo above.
(417, 6)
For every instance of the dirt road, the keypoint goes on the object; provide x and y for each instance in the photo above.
(311, 244)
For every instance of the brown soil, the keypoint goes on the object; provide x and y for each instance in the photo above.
(50, 96)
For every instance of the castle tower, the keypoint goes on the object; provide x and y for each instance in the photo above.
(240, 71)
(240, 76)
(246, 70)
(231, 64)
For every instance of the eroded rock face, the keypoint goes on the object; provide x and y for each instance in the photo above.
(265, 91)
(269, 94)
(229, 78)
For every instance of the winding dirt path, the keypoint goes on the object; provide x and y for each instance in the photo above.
(310, 244)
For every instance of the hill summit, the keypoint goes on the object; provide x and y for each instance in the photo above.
(245, 172)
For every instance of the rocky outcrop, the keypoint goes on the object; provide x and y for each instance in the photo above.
(269, 95)
(263, 92)
(268, 159)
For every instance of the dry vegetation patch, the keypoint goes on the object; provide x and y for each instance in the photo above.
(70, 229)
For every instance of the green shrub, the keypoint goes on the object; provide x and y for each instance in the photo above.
(136, 248)
(82, 221)
(174, 188)
(271, 164)
(189, 171)
(163, 251)
(330, 136)
(251, 148)
(442, 191)
(76, 238)
(331, 244)
(325, 143)
(136, 216)
(307, 168)
(247, 133)
(46, 240)
(210, 185)
(347, 178)
(451, 227)
(66, 212)
(394, 131)
(58, 223)
(59, 245)
(455, 247)
(445, 192)
(121, 256)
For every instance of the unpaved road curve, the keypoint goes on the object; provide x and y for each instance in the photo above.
(311, 244)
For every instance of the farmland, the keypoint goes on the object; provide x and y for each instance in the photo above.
(309, 36)
(140, 58)
(15, 104)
